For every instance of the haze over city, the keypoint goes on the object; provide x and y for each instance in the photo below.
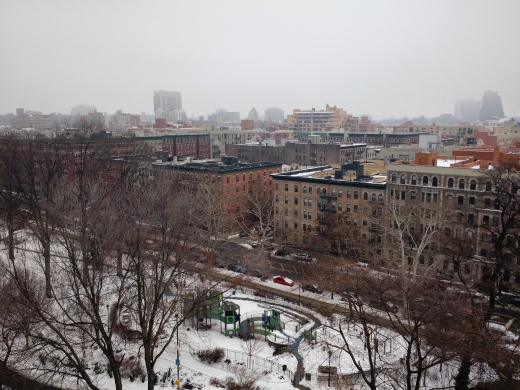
(399, 58)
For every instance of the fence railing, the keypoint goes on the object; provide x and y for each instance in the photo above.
(252, 361)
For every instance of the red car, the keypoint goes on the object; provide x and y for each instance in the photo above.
(280, 279)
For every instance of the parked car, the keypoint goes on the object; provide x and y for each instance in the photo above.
(281, 253)
(257, 273)
(348, 296)
(237, 267)
(303, 257)
(312, 288)
(471, 293)
(221, 263)
(384, 305)
(284, 280)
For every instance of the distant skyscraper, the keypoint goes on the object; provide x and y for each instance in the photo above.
(20, 111)
(274, 115)
(167, 100)
(253, 114)
(82, 109)
(467, 110)
(491, 106)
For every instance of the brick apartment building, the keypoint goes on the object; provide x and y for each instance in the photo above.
(231, 182)
(306, 199)
(459, 184)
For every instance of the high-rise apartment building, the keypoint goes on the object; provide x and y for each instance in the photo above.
(322, 120)
(167, 100)
(274, 114)
(467, 110)
(491, 106)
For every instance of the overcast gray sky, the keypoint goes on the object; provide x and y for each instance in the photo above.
(384, 58)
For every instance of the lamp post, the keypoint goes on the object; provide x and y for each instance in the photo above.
(178, 361)
(108, 318)
(330, 354)
(299, 296)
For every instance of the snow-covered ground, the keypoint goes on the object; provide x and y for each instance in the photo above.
(314, 354)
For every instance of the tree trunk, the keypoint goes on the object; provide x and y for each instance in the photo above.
(462, 377)
(119, 263)
(47, 260)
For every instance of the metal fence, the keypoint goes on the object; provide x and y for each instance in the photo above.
(252, 361)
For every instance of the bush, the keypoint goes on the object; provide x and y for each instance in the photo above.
(217, 383)
(187, 385)
(211, 355)
(131, 367)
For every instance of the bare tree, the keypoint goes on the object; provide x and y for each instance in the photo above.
(10, 200)
(251, 345)
(159, 240)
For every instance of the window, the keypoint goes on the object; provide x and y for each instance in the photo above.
(324, 191)
(237, 178)
(403, 179)
(495, 221)
(296, 213)
(471, 218)
(227, 179)
(473, 185)
(472, 200)
(488, 186)
(310, 189)
(340, 206)
(295, 200)
(469, 234)
(309, 216)
(485, 220)
(348, 207)
(462, 184)
(305, 201)
(296, 225)
(348, 193)
(355, 208)
(356, 195)
(318, 191)
(276, 210)
(414, 180)
(286, 187)
(394, 178)
(286, 200)
(434, 181)
(340, 193)
(374, 197)
(296, 188)
(304, 189)
(310, 202)
(413, 195)
(333, 192)
(460, 200)
(425, 180)
(286, 212)
(380, 198)
(333, 205)
(403, 195)
(364, 222)
(365, 196)
(354, 221)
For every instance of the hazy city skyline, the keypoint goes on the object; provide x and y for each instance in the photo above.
(399, 58)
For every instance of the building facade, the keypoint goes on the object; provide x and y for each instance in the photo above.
(307, 201)
(313, 120)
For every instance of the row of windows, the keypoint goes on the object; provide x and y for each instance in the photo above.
(336, 193)
(461, 184)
